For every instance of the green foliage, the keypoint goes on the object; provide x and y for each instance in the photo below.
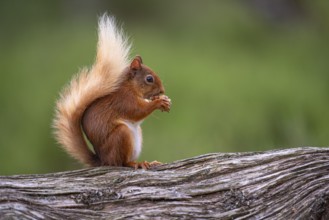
(238, 81)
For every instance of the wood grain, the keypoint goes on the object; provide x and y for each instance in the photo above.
(281, 184)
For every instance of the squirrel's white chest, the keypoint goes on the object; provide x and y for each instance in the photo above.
(136, 133)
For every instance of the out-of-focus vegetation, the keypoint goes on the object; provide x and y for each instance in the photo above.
(242, 75)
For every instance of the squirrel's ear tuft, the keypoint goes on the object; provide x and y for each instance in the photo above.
(136, 64)
(139, 58)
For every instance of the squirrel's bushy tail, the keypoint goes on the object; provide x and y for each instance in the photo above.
(102, 79)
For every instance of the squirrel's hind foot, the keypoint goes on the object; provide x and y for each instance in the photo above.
(143, 165)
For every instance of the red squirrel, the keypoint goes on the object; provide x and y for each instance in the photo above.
(108, 103)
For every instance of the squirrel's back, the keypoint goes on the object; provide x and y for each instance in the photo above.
(102, 79)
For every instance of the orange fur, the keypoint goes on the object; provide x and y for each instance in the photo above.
(106, 123)
(102, 79)
(108, 102)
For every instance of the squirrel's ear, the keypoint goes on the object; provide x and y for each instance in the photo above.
(139, 58)
(136, 64)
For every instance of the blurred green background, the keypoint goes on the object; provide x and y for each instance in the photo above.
(242, 75)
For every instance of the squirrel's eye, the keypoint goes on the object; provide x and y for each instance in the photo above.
(149, 79)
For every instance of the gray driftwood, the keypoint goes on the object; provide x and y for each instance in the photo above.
(281, 184)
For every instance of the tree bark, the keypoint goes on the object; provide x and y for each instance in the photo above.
(279, 184)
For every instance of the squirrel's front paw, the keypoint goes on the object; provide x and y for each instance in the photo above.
(165, 103)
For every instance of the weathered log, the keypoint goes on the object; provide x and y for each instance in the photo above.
(279, 184)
